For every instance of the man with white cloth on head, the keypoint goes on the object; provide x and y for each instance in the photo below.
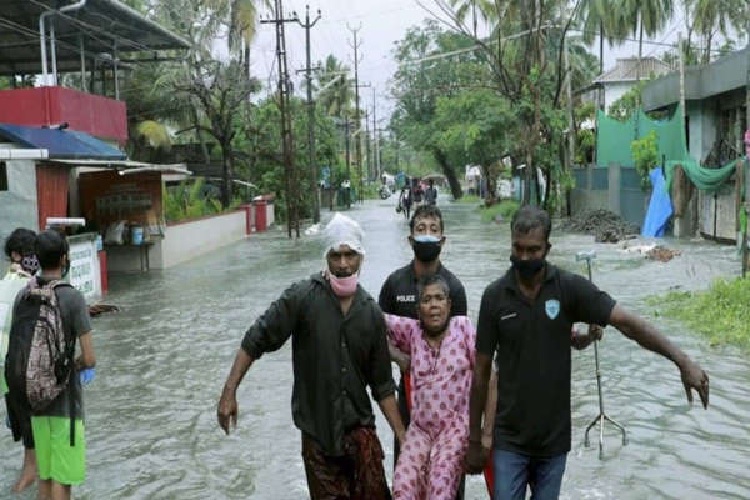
(338, 347)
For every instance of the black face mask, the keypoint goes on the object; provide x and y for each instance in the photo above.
(527, 269)
(426, 249)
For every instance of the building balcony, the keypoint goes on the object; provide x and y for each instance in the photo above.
(96, 115)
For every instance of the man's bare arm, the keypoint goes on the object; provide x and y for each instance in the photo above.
(390, 412)
(477, 403)
(648, 337)
(488, 426)
(242, 362)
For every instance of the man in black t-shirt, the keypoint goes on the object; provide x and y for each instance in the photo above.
(398, 294)
(525, 318)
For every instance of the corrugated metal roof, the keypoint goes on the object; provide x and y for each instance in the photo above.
(102, 24)
(61, 144)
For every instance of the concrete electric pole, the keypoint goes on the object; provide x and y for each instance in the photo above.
(311, 115)
(287, 143)
(358, 123)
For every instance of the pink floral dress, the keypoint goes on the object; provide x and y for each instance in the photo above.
(430, 465)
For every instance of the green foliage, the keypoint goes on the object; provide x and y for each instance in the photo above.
(720, 313)
(189, 201)
(646, 156)
(259, 142)
(624, 107)
(505, 210)
(585, 138)
(469, 199)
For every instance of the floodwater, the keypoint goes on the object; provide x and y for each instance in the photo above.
(162, 360)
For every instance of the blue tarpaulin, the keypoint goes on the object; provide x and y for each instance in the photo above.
(61, 144)
(660, 207)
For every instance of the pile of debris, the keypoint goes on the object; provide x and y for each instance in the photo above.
(606, 226)
(652, 251)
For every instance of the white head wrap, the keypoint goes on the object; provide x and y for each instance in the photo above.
(343, 230)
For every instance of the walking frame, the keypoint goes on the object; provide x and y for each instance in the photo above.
(602, 417)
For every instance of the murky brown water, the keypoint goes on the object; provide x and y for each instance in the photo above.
(162, 360)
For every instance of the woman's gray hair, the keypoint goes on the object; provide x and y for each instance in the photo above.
(434, 279)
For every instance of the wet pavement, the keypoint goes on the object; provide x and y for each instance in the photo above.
(162, 360)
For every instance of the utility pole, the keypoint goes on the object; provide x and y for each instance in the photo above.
(358, 146)
(348, 160)
(311, 115)
(287, 143)
(375, 134)
(360, 136)
(368, 147)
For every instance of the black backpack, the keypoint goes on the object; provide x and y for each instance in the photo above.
(40, 358)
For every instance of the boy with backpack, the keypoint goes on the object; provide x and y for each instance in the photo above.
(19, 249)
(49, 318)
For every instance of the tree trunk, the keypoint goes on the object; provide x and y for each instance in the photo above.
(246, 60)
(449, 172)
(490, 186)
(226, 190)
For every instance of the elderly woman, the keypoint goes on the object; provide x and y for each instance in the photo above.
(442, 353)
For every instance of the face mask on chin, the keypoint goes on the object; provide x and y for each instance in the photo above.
(343, 287)
(527, 269)
(426, 248)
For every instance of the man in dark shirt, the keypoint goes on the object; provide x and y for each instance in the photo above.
(430, 194)
(338, 347)
(398, 295)
(525, 318)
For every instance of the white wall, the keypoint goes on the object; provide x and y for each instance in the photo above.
(702, 124)
(270, 215)
(183, 241)
(186, 241)
(614, 91)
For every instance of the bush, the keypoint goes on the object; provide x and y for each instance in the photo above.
(505, 209)
(190, 202)
(720, 313)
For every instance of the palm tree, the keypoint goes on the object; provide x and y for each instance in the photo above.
(645, 17)
(597, 18)
(711, 16)
(336, 94)
(240, 17)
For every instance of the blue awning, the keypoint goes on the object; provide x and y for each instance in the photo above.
(61, 144)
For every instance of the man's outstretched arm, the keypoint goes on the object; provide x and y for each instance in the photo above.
(649, 337)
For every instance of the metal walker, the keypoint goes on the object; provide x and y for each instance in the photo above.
(602, 417)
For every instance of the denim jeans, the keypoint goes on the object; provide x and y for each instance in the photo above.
(513, 471)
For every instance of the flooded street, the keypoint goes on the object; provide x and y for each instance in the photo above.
(162, 360)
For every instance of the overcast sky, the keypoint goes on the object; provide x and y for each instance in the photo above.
(381, 23)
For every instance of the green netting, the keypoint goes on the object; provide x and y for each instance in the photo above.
(614, 138)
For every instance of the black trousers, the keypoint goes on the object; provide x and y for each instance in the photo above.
(403, 409)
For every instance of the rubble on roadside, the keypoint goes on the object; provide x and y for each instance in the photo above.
(605, 226)
(651, 251)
